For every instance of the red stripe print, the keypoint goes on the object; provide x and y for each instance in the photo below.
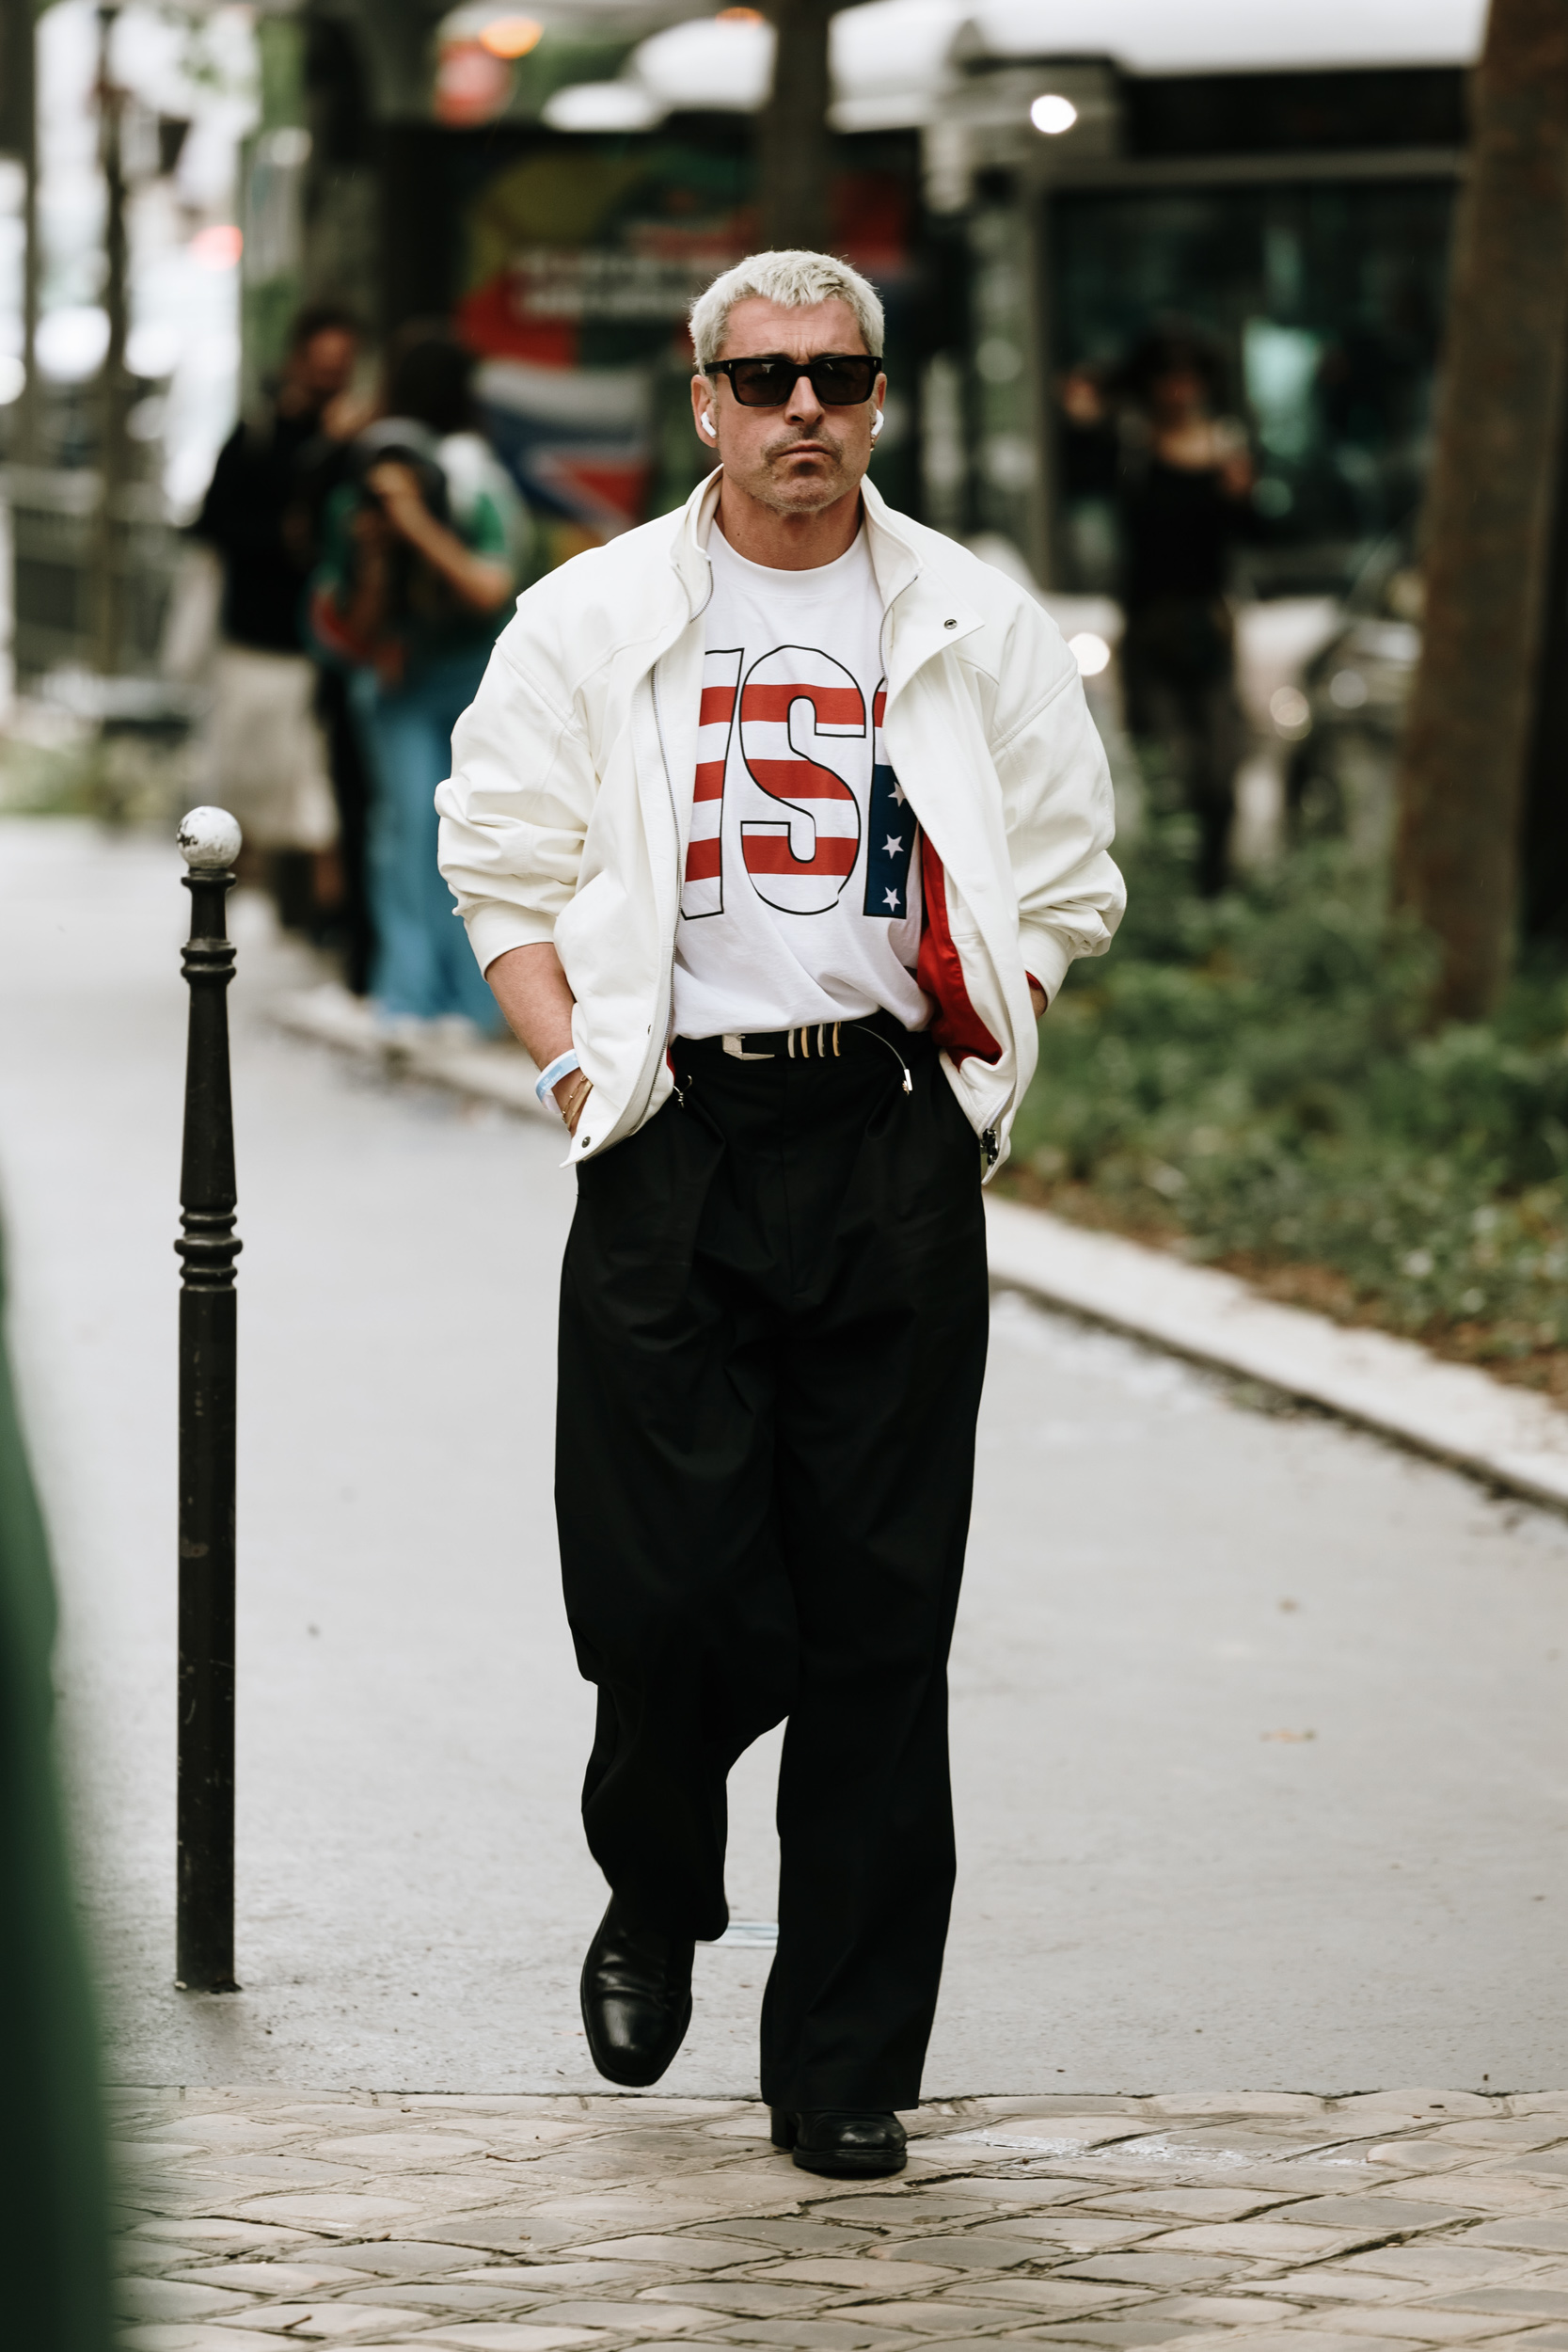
(835, 706)
(798, 780)
(701, 859)
(717, 707)
(879, 704)
(770, 853)
(710, 780)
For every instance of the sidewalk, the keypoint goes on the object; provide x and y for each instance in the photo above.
(1270, 2224)
(1256, 1722)
(1256, 1732)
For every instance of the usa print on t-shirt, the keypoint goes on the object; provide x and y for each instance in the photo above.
(800, 893)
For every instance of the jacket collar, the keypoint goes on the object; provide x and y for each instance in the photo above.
(895, 557)
(688, 552)
(925, 616)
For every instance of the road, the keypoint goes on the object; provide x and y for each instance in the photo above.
(1258, 1723)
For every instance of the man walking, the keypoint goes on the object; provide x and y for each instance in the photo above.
(774, 823)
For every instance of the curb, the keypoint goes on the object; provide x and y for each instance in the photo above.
(1450, 1412)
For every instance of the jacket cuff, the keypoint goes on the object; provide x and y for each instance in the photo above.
(1045, 959)
(495, 927)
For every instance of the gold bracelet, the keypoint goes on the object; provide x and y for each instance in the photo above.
(571, 1109)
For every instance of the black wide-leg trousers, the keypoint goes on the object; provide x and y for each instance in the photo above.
(773, 1331)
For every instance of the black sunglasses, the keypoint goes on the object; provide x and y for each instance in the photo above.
(840, 379)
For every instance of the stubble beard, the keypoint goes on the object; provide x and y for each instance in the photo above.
(802, 494)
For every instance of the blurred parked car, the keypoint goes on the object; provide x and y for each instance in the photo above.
(1345, 718)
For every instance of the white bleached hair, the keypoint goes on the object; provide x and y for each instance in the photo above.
(796, 281)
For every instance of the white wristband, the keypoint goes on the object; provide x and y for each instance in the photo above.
(550, 1079)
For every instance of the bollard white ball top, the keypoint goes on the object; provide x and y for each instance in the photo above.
(209, 838)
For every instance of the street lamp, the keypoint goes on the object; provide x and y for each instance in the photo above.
(1053, 114)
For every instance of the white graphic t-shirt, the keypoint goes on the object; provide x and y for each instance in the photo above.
(800, 900)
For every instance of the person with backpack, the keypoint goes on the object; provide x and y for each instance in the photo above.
(424, 544)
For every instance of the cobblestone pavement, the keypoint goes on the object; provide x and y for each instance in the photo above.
(524, 2223)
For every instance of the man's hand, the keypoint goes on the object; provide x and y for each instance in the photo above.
(1236, 474)
(481, 583)
(347, 414)
(1037, 998)
(371, 535)
(397, 486)
(364, 615)
(531, 990)
(1084, 401)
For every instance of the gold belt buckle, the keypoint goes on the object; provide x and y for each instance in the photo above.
(804, 1036)
(734, 1045)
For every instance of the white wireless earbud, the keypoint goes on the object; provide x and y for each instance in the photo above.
(877, 423)
(709, 426)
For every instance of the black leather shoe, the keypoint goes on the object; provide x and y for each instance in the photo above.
(636, 1998)
(850, 2144)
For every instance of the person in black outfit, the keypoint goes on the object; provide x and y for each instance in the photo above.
(248, 508)
(257, 514)
(1185, 480)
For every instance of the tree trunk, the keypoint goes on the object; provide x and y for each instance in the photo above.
(792, 137)
(19, 137)
(1543, 830)
(113, 449)
(1489, 514)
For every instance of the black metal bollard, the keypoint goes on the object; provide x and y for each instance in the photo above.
(204, 1931)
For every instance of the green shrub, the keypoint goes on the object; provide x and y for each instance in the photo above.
(1255, 1071)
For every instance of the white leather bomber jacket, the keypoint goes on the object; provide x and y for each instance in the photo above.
(567, 811)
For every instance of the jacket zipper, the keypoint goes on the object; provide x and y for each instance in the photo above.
(669, 979)
(667, 990)
(990, 1142)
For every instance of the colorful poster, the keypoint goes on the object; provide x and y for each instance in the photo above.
(582, 258)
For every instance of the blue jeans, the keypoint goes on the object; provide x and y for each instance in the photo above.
(422, 962)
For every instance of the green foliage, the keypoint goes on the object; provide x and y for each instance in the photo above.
(1256, 1071)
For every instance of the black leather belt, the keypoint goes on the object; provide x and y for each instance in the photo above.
(816, 1042)
(819, 1041)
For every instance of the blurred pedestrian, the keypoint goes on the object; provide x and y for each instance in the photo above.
(324, 465)
(1185, 481)
(264, 749)
(422, 550)
(776, 922)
